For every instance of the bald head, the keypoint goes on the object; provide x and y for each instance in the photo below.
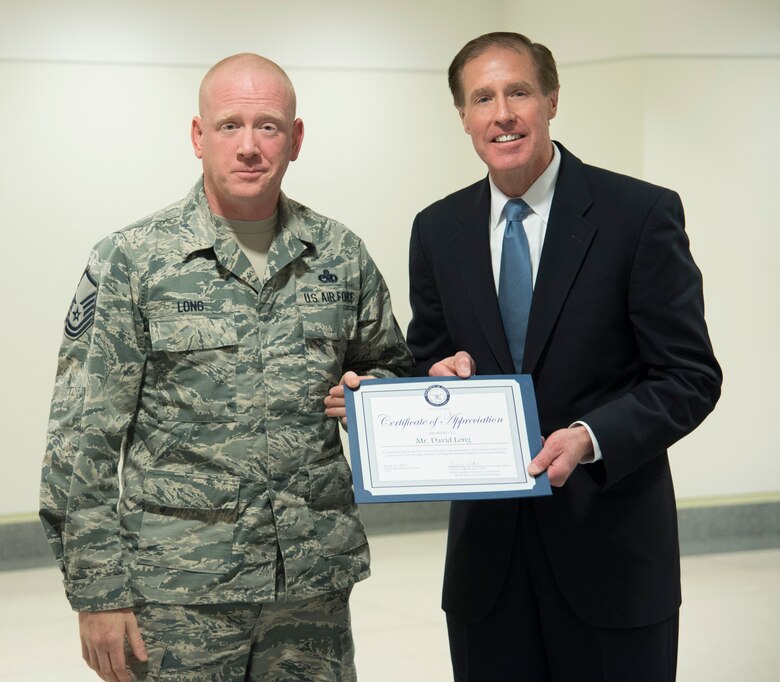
(243, 65)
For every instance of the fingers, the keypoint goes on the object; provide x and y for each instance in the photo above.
(118, 668)
(464, 365)
(552, 450)
(105, 669)
(352, 380)
(335, 403)
(102, 642)
(111, 666)
(135, 640)
(563, 450)
(459, 365)
(558, 467)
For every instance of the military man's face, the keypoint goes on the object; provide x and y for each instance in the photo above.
(507, 116)
(246, 136)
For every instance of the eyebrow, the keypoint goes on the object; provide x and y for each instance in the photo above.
(222, 117)
(517, 85)
(225, 116)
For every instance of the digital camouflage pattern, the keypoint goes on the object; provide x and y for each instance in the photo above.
(201, 385)
(279, 642)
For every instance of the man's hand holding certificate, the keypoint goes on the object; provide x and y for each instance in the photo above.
(443, 438)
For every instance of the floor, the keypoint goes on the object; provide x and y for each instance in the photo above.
(730, 624)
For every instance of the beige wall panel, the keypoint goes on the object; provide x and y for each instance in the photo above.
(711, 133)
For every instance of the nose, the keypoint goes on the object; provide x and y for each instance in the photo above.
(247, 144)
(503, 112)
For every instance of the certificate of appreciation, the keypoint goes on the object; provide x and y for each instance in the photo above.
(444, 439)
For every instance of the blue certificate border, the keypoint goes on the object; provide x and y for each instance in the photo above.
(363, 496)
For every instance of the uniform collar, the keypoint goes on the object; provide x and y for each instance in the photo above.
(199, 231)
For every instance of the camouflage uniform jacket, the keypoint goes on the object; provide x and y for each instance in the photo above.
(201, 386)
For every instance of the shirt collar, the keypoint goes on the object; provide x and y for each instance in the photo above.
(199, 229)
(539, 195)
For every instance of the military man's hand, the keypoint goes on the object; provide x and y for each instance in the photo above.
(103, 640)
(335, 404)
(459, 365)
(562, 451)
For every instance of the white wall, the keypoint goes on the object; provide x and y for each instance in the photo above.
(725, 167)
(686, 93)
(97, 98)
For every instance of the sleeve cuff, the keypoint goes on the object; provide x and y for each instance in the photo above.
(596, 449)
(99, 594)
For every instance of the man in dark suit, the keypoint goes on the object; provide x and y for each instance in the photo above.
(585, 584)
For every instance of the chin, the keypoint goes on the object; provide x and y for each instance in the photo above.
(247, 190)
(508, 165)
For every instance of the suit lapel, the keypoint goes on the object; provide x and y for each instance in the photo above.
(471, 250)
(566, 243)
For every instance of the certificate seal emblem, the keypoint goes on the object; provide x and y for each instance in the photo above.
(437, 395)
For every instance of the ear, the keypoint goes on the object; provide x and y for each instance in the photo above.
(297, 138)
(552, 99)
(463, 122)
(196, 135)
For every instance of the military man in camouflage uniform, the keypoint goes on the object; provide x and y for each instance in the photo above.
(194, 491)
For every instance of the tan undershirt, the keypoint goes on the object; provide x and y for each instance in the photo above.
(254, 237)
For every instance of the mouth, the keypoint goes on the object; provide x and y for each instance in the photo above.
(503, 139)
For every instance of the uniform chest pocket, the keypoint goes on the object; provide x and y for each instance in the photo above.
(326, 332)
(193, 369)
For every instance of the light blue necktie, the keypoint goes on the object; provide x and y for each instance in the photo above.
(515, 282)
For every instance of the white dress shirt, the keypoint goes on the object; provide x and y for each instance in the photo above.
(539, 197)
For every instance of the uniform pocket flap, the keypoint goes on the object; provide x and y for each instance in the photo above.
(334, 324)
(190, 491)
(192, 333)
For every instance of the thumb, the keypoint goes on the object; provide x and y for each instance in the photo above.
(350, 379)
(540, 463)
(464, 365)
(135, 640)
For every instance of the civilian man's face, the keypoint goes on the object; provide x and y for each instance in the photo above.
(507, 116)
(246, 138)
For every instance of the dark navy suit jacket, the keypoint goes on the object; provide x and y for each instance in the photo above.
(617, 339)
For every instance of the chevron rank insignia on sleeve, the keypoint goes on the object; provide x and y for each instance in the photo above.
(82, 309)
